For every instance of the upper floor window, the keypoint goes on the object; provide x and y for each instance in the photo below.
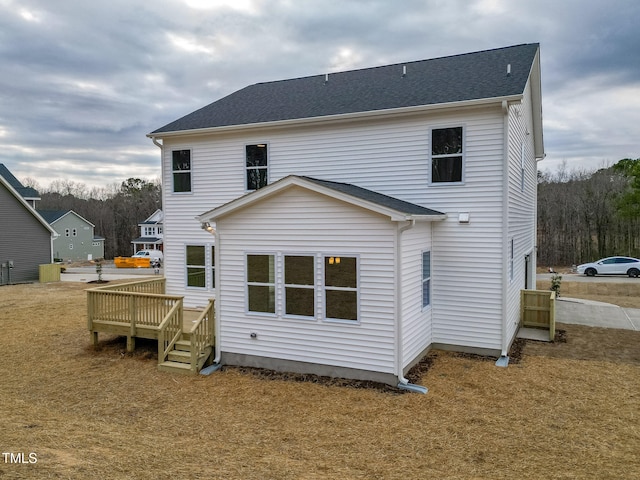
(181, 169)
(257, 166)
(446, 155)
(74, 232)
(67, 232)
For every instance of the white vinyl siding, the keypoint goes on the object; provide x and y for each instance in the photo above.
(416, 320)
(306, 223)
(522, 186)
(391, 157)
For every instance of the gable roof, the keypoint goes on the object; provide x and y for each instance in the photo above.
(395, 209)
(489, 74)
(26, 192)
(53, 216)
(24, 203)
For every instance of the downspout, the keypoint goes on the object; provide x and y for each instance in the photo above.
(215, 364)
(503, 361)
(403, 383)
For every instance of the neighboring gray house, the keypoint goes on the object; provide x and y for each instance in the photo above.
(151, 235)
(353, 221)
(76, 240)
(25, 237)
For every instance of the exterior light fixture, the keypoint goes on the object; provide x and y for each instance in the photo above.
(207, 226)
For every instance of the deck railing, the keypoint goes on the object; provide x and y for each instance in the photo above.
(170, 331)
(202, 334)
(538, 310)
(138, 305)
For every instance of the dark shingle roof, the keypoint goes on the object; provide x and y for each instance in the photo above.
(456, 78)
(374, 197)
(51, 216)
(25, 192)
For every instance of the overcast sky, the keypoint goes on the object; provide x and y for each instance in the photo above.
(83, 82)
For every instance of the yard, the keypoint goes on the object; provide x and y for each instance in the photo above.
(564, 410)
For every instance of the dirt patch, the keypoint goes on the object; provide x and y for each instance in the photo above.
(563, 410)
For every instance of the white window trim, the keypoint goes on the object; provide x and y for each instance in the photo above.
(209, 268)
(277, 259)
(190, 171)
(423, 280)
(319, 287)
(463, 155)
(308, 287)
(246, 169)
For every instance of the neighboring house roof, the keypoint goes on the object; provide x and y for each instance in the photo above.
(490, 74)
(147, 240)
(24, 203)
(155, 218)
(26, 192)
(397, 210)
(53, 216)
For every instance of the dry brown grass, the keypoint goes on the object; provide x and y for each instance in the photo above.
(559, 413)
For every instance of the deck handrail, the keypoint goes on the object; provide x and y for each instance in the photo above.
(153, 285)
(170, 331)
(202, 334)
(125, 303)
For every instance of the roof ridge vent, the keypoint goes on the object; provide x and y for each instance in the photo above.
(508, 69)
(404, 71)
(326, 78)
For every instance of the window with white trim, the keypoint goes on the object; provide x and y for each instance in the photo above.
(74, 232)
(181, 170)
(446, 155)
(305, 286)
(261, 283)
(196, 266)
(257, 166)
(299, 290)
(341, 288)
(426, 279)
(67, 232)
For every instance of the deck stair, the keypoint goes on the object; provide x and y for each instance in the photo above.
(179, 359)
(141, 309)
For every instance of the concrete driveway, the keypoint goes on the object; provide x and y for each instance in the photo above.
(596, 314)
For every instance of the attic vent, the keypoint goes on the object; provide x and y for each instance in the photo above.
(326, 78)
(404, 70)
(508, 69)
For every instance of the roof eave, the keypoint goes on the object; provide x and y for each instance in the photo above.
(341, 117)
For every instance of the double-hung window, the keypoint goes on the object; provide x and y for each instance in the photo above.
(257, 166)
(446, 155)
(426, 279)
(303, 286)
(299, 291)
(181, 170)
(341, 288)
(197, 265)
(261, 283)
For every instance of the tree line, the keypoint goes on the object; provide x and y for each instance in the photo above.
(115, 210)
(586, 215)
(582, 215)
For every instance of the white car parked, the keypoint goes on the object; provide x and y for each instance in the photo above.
(612, 266)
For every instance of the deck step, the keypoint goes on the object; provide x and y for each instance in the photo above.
(182, 356)
(175, 367)
(183, 345)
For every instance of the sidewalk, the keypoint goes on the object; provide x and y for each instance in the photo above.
(88, 274)
(596, 314)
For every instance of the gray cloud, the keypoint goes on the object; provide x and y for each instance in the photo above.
(83, 82)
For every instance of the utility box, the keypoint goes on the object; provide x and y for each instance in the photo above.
(50, 273)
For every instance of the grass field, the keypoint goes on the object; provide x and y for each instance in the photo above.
(564, 411)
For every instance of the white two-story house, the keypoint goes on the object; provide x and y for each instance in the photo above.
(346, 223)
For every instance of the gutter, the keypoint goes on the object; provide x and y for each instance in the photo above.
(403, 383)
(336, 117)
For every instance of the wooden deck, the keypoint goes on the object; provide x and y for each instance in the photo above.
(142, 310)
